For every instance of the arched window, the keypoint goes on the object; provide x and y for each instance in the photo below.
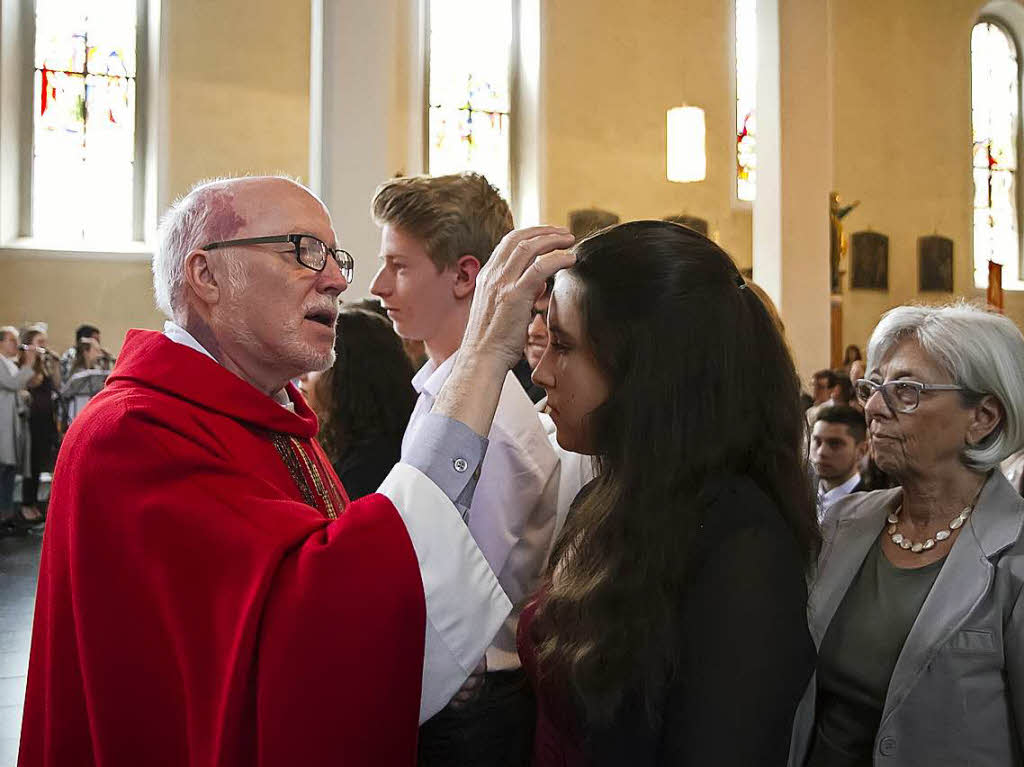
(469, 76)
(746, 99)
(84, 153)
(995, 118)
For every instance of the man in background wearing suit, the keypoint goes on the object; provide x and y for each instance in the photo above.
(838, 442)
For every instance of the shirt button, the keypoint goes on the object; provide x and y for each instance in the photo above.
(460, 465)
(887, 746)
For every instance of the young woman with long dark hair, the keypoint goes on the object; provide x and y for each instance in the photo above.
(671, 629)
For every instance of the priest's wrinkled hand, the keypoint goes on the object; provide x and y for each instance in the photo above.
(507, 288)
(471, 687)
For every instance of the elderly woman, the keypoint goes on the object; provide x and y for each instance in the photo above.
(917, 606)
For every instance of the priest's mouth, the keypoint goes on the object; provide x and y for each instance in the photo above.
(325, 317)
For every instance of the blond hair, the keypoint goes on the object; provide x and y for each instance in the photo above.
(453, 216)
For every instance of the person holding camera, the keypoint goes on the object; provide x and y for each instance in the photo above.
(42, 416)
(13, 381)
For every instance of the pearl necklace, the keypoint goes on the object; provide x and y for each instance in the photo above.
(905, 543)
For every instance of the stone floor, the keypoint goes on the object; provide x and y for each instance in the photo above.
(19, 568)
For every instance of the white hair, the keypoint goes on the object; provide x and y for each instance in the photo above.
(204, 215)
(185, 227)
(980, 350)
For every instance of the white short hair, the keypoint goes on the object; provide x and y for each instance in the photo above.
(980, 350)
(187, 226)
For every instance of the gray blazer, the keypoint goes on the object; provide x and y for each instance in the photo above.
(11, 439)
(956, 696)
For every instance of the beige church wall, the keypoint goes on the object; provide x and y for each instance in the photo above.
(65, 293)
(609, 72)
(238, 89)
(902, 130)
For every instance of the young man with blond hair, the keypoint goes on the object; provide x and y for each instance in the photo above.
(436, 234)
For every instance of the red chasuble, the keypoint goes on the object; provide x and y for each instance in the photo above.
(207, 596)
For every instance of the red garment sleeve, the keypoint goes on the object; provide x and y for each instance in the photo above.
(351, 686)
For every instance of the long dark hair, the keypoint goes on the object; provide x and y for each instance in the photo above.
(702, 387)
(368, 392)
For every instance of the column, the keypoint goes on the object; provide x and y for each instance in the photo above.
(794, 156)
(366, 115)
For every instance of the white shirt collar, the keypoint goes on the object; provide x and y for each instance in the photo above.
(831, 496)
(181, 336)
(431, 377)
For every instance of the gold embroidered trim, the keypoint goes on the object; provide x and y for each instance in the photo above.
(292, 464)
(332, 512)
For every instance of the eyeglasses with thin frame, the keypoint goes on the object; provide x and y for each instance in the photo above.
(311, 252)
(900, 396)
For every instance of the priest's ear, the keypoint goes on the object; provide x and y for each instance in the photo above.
(205, 278)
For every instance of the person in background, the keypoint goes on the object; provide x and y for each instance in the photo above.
(84, 381)
(104, 361)
(42, 417)
(871, 477)
(671, 626)
(822, 384)
(850, 355)
(13, 382)
(536, 341)
(857, 369)
(436, 234)
(839, 441)
(842, 393)
(363, 401)
(916, 605)
(839, 391)
(414, 349)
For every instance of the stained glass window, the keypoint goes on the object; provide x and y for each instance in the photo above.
(470, 89)
(995, 112)
(83, 152)
(746, 99)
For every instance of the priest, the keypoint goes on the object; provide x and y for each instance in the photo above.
(207, 593)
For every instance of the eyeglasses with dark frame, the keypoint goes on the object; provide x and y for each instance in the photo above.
(900, 396)
(311, 252)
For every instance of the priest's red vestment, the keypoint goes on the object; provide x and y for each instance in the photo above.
(207, 595)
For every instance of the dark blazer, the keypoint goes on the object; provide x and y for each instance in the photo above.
(747, 654)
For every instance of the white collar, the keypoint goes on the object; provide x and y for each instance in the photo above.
(181, 336)
(431, 377)
(840, 490)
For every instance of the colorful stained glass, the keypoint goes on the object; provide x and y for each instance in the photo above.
(470, 88)
(746, 99)
(995, 116)
(84, 115)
